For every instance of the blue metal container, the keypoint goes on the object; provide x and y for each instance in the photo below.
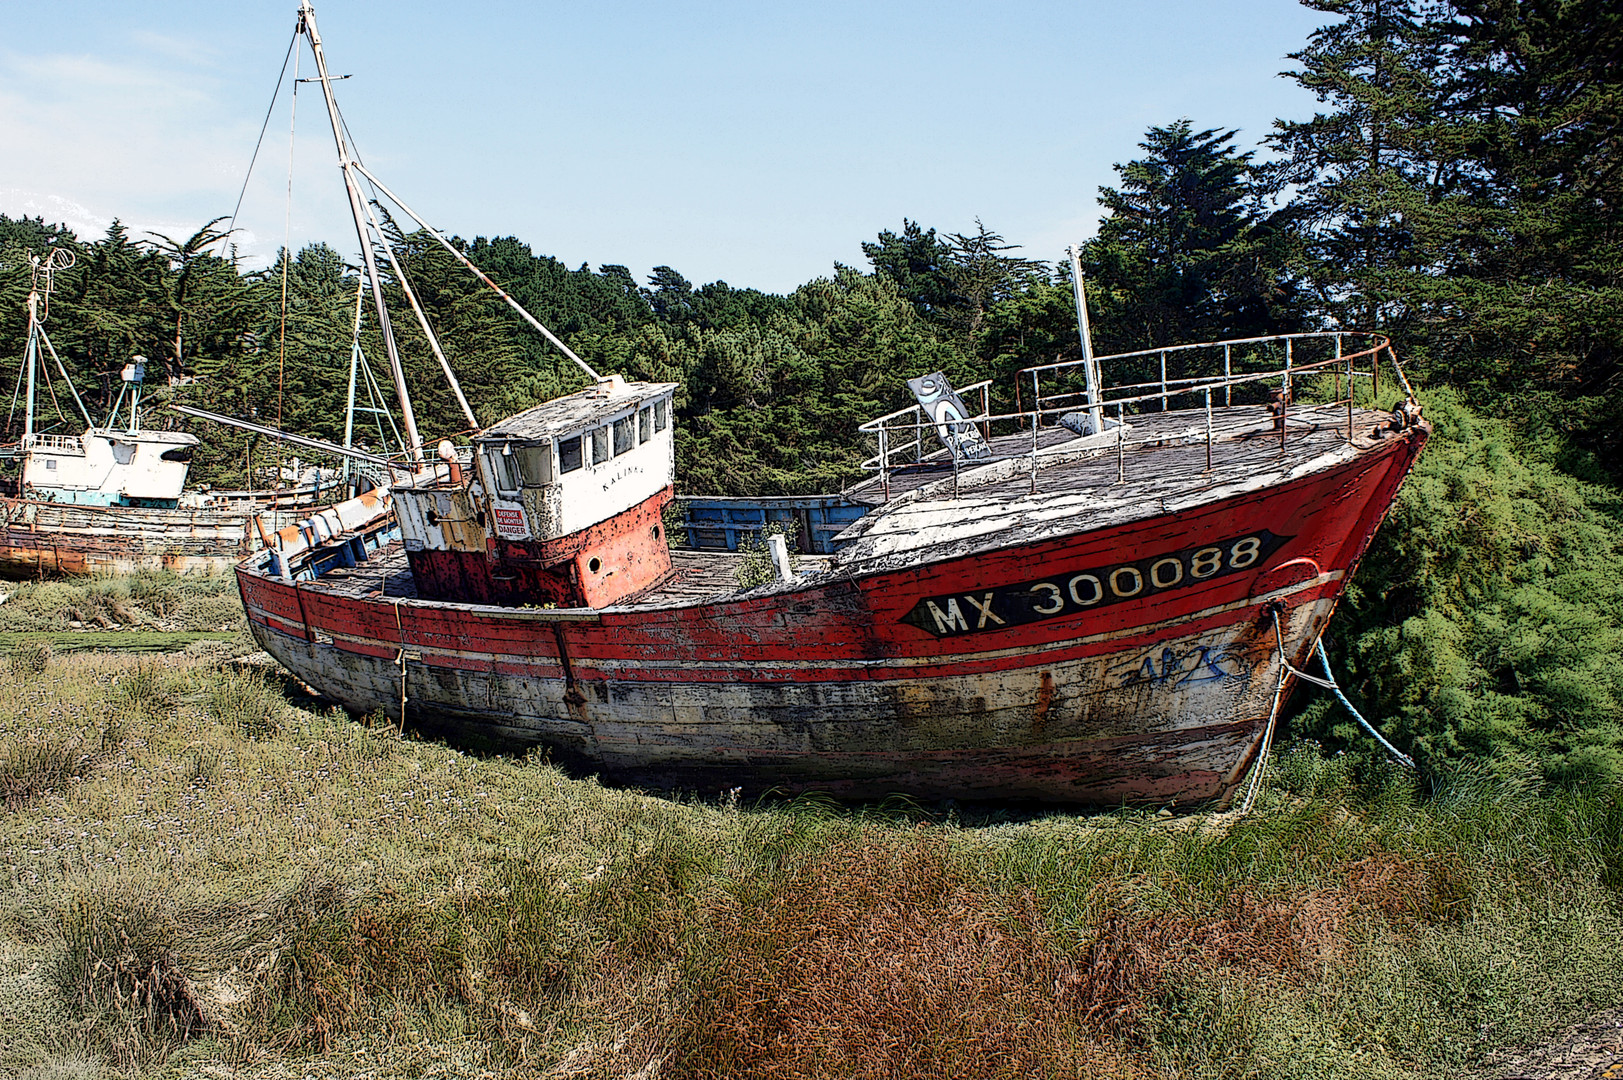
(719, 524)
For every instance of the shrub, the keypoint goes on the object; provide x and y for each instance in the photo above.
(756, 567)
(1486, 621)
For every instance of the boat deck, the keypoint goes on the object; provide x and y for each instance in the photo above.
(696, 575)
(1166, 453)
(1162, 449)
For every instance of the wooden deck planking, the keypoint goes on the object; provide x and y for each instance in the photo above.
(697, 575)
(1159, 451)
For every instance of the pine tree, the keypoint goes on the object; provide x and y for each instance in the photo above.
(1189, 250)
(1382, 178)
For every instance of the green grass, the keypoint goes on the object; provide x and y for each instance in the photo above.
(150, 600)
(130, 641)
(204, 876)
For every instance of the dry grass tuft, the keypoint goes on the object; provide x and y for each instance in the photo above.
(882, 960)
(1412, 892)
(29, 658)
(138, 691)
(121, 960)
(244, 699)
(344, 963)
(29, 768)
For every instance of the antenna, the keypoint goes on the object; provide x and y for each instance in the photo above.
(1090, 370)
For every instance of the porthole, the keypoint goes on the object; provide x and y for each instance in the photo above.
(656, 532)
(595, 565)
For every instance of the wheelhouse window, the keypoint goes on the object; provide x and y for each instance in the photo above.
(660, 419)
(600, 445)
(569, 454)
(623, 440)
(503, 469)
(534, 465)
(645, 425)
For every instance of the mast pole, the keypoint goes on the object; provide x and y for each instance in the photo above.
(346, 162)
(354, 359)
(32, 359)
(1089, 371)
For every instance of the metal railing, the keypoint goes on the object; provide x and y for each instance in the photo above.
(1246, 367)
(55, 444)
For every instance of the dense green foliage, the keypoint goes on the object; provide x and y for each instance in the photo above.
(1487, 621)
(1461, 189)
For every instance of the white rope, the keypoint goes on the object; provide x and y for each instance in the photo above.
(400, 659)
(1267, 738)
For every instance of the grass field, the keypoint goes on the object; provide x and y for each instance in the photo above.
(205, 878)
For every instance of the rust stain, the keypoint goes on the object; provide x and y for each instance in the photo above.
(1045, 698)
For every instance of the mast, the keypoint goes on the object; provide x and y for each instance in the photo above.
(39, 305)
(1090, 371)
(32, 359)
(307, 22)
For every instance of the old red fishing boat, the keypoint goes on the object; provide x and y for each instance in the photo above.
(1101, 609)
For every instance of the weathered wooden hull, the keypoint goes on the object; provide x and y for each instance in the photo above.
(1087, 660)
(47, 538)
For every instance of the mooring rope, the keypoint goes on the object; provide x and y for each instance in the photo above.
(1397, 755)
(400, 659)
(1329, 683)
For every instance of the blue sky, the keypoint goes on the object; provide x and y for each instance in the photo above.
(755, 143)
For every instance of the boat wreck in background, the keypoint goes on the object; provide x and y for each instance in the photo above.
(1098, 597)
(112, 498)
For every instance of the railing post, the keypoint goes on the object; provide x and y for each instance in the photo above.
(1121, 433)
(986, 410)
(1349, 389)
(884, 461)
(1208, 429)
(1163, 380)
(1287, 369)
(1375, 376)
(1228, 389)
(918, 435)
(1034, 415)
(1284, 411)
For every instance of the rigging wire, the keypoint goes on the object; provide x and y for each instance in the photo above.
(231, 226)
(287, 257)
(16, 396)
